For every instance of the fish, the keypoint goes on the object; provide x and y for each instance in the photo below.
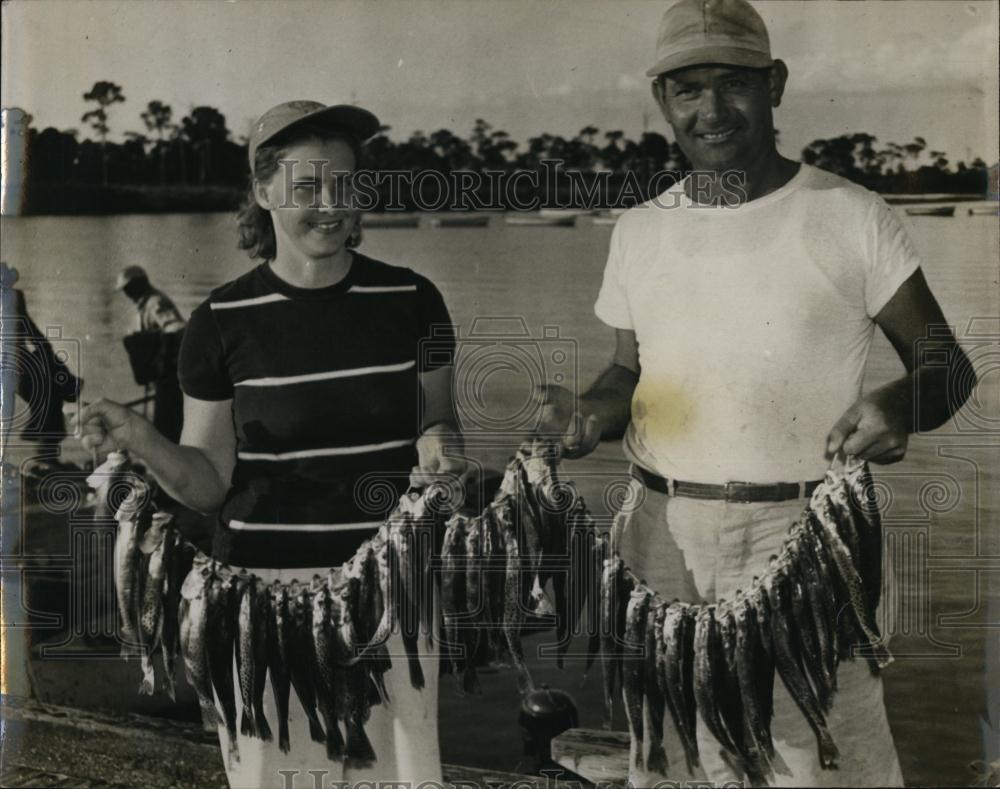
(474, 602)
(823, 616)
(526, 520)
(616, 591)
(301, 665)
(194, 647)
(758, 744)
(372, 606)
(514, 609)
(453, 561)
(829, 579)
(654, 691)
(221, 638)
(401, 559)
(111, 482)
(179, 558)
(634, 668)
(325, 654)
(495, 561)
(599, 551)
(280, 642)
(351, 679)
(151, 608)
(571, 582)
(863, 506)
(251, 659)
(763, 662)
(134, 517)
(864, 618)
(730, 698)
(813, 662)
(788, 663)
(707, 667)
(675, 662)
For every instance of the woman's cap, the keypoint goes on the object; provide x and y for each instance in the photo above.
(696, 32)
(358, 122)
(130, 274)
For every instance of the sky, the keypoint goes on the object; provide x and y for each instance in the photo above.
(895, 69)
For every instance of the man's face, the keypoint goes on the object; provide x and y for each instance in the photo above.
(721, 115)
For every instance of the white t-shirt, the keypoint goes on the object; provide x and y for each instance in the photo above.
(753, 323)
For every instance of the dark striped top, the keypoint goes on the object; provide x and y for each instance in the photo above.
(326, 404)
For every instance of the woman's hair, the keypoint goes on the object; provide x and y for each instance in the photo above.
(256, 229)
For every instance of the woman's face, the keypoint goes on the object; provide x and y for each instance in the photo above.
(309, 197)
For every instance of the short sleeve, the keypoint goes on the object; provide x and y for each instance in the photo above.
(892, 258)
(201, 367)
(612, 300)
(435, 331)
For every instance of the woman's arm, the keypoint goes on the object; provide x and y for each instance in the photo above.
(197, 472)
(440, 448)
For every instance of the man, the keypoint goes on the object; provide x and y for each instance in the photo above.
(153, 349)
(744, 302)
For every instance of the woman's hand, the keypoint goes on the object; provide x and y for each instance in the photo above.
(440, 458)
(106, 426)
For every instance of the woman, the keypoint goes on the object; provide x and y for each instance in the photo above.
(302, 380)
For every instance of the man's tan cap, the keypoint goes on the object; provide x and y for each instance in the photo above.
(696, 32)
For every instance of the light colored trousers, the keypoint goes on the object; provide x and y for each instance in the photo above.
(700, 551)
(403, 733)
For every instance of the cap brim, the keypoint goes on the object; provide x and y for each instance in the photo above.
(360, 123)
(727, 56)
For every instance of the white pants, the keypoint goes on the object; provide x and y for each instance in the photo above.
(700, 551)
(404, 732)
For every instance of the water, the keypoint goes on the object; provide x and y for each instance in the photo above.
(940, 517)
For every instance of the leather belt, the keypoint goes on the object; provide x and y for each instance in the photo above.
(741, 492)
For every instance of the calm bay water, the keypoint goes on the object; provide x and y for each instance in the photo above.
(941, 503)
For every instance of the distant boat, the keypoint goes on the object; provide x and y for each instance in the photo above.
(461, 220)
(605, 219)
(985, 210)
(534, 220)
(390, 220)
(550, 213)
(933, 210)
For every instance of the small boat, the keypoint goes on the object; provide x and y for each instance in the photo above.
(535, 220)
(985, 210)
(558, 213)
(461, 220)
(931, 210)
(390, 220)
(605, 219)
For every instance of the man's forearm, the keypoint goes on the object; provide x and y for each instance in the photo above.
(610, 399)
(929, 396)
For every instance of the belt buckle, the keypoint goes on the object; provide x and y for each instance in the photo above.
(732, 495)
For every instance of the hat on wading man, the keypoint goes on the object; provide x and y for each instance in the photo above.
(697, 32)
(360, 123)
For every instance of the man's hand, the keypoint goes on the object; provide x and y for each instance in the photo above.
(874, 428)
(563, 413)
(107, 426)
(439, 458)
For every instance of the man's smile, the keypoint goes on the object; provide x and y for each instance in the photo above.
(717, 136)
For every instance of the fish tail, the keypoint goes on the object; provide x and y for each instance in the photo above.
(247, 727)
(263, 727)
(828, 753)
(209, 716)
(657, 761)
(316, 733)
(416, 672)
(148, 685)
(470, 680)
(283, 742)
(360, 752)
(334, 742)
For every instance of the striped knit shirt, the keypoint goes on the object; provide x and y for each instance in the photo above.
(326, 402)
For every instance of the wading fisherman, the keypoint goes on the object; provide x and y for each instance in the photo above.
(744, 302)
(154, 348)
(303, 381)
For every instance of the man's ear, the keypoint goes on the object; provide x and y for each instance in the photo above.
(261, 196)
(778, 77)
(657, 89)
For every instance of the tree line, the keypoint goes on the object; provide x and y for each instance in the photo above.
(199, 152)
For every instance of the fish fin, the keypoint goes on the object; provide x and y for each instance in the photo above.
(263, 727)
(246, 724)
(360, 752)
(316, 733)
(657, 761)
(148, 685)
